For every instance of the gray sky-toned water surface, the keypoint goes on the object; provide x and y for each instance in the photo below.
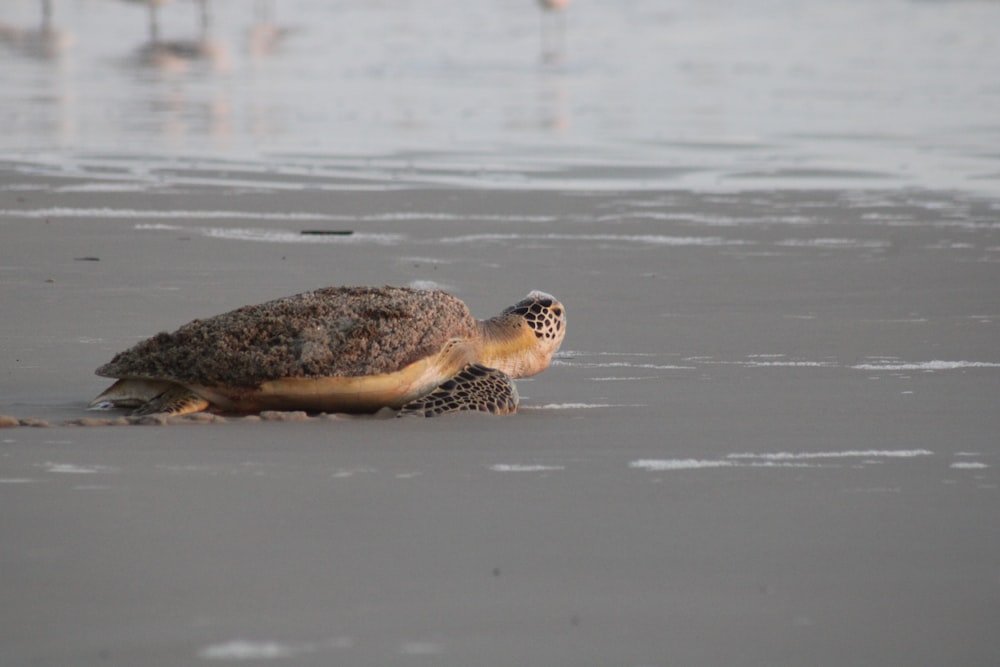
(735, 94)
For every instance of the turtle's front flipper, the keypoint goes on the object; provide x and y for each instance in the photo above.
(475, 388)
(176, 400)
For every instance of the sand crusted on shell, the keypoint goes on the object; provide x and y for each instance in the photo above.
(335, 331)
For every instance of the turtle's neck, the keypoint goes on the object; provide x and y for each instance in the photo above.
(509, 346)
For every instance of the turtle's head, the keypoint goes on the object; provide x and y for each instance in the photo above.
(522, 339)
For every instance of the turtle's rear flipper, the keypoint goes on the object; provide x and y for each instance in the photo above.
(176, 400)
(474, 388)
(130, 393)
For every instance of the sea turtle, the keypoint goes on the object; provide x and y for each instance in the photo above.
(341, 349)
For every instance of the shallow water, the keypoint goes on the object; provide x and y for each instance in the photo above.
(641, 93)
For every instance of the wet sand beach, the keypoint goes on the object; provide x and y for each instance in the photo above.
(770, 437)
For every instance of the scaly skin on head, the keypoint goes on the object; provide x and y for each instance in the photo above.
(521, 340)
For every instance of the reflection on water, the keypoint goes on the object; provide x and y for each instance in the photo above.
(44, 42)
(756, 93)
(265, 35)
(176, 54)
(553, 29)
(153, 6)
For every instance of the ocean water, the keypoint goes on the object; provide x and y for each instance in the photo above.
(722, 95)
